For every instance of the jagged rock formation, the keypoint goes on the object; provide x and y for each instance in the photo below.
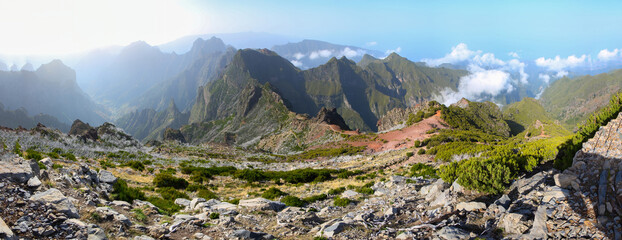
(83, 131)
(174, 135)
(332, 117)
(397, 117)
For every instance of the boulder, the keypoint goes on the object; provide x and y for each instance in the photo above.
(456, 187)
(334, 229)
(56, 198)
(96, 233)
(564, 180)
(262, 204)
(453, 233)
(224, 206)
(441, 199)
(513, 223)
(34, 182)
(18, 170)
(182, 202)
(106, 177)
(5, 231)
(433, 190)
(349, 194)
(555, 192)
(538, 229)
(470, 206)
(296, 215)
(123, 204)
(194, 202)
(245, 234)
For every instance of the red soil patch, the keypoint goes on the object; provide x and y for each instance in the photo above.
(403, 138)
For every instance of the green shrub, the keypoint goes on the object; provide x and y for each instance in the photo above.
(417, 143)
(336, 191)
(207, 194)
(423, 170)
(194, 187)
(235, 201)
(136, 165)
(315, 198)
(421, 151)
(53, 155)
(165, 206)
(17, 149)
(42, 166)
(251, 175)
(341, 202)
(56, 166)
(214, 215)
(33, 154)
(168, 180)
(273, 193)
(124, 193)
(69, 156)
(170, 193)
(410, 154)
(293, 201)
(139, 215)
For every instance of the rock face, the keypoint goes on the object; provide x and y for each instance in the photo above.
(471, 206)
(397, 117)
(332, 117)
(18, 169)
(56, 198)
(83, 130)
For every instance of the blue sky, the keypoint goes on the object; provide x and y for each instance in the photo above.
(422, 29)
(428, 29)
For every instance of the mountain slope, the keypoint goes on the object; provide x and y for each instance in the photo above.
(571, 100)
(52, 90)
(148, 124)
(20, 117)
(209, 64)
(361, 95)
(529, 116)
(122, 77)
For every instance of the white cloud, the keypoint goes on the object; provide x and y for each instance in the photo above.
(397, 50)
(516, 65)
(369, 44)
(561, 74)
(513, 54)
(320, 53)
(558, 64)
(350, 53)
(459, 53)
(298, 55)
(296, 63)
(544, 77)
(487, 59)
(477, 85)
(606, 55)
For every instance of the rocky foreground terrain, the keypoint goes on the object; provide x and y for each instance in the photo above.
(65, 199)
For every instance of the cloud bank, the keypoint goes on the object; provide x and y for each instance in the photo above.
(606, 55)
(480, 85)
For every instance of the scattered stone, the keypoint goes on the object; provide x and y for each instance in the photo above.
(513, 223)
(96, 233)
(5, 231)
(539, 230)
(470, 206)
(333, 229)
